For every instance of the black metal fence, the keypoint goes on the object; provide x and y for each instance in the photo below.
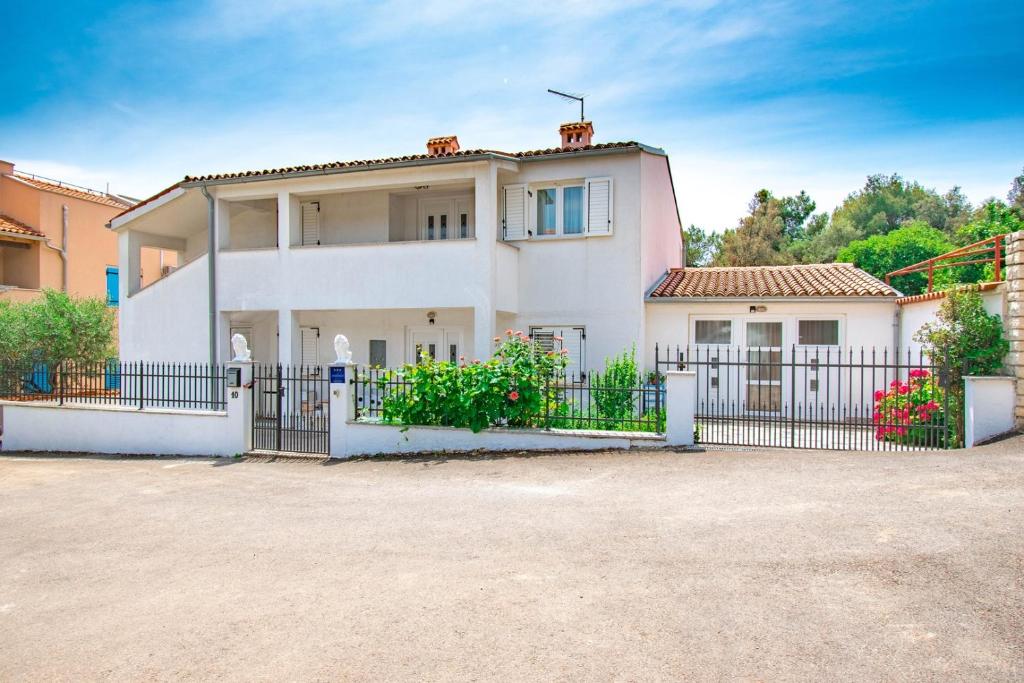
(291, 409)
(137, 384)
(816, 397)
(591, 402)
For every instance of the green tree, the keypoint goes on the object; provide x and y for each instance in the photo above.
(824, 245)
(888, 201)
(55, 328)
(1016, 193)
(968, 341)
(760, 237)
(701, 246)
(881, 254)
(795, 211)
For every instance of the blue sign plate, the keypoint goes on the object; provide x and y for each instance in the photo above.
(337, 374)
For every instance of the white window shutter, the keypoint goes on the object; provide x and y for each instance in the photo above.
(310, 351)
(573, 340)
(514, 212)
(311, 223)
(599, 206)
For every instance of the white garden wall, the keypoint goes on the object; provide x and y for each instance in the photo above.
(988, 408)
(104, 429)
(375, 439)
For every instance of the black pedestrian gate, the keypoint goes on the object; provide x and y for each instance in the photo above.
(291, 409)
(815, 397)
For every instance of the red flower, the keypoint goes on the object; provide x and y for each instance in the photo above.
(919, 372)
(879, 395)
(513, 395)
(904, 389)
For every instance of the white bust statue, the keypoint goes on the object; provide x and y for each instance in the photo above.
(341, 348)
(240, 347)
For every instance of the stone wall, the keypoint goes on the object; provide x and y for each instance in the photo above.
(1015, 311)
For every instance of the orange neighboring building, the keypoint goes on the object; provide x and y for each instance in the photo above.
(53, 235)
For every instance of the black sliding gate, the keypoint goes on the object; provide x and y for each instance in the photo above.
(815, 397)
(291, 409)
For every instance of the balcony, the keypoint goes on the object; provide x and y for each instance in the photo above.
(419, 274)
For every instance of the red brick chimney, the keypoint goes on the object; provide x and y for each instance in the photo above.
(577, 134)
(446, 144)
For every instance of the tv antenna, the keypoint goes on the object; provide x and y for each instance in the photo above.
(569, 97)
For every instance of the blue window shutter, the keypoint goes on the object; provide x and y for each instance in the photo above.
(112, 286)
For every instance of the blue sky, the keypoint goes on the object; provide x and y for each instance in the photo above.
(742, 95)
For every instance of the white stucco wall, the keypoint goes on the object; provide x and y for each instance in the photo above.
(104, 429)
(862, 324)
(594, 282)
(914, 315)
(374, 439)
(169, 320)
(988, 407)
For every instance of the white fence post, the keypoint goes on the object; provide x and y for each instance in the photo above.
(680, 406)
(239, 404)
(988, 408)
(342, 407)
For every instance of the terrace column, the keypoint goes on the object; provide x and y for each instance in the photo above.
(485, 287)
(286, 218)
(285, 336)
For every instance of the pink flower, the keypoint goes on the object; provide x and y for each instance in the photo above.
(513, 395)
(919, 372)
(558, 339)
(895, 383)
(508, 332)
(879, 395)
(565, 352)
(519, 333)
(497, 339)
(904, 389)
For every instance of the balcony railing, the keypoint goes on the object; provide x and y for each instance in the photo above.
(986, 251)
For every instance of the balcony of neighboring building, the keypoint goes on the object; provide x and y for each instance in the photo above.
(20, 266)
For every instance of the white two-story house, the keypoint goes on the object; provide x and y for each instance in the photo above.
(440, 252)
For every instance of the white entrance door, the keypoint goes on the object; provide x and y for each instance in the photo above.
(764, 366)
(436, 220)
(440, 343)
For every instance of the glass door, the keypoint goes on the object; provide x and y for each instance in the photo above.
(437, 220)
(764, 367)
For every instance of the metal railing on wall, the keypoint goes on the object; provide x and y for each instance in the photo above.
(134, 384)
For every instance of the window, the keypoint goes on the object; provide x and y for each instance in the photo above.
(310, 346)
(560, 210)
(712, 332)
(573, 339)
(310, 223)
(463, 225)
(113, 281)
(546, 200)
(819, 333)
(378, 353)
(572, 210)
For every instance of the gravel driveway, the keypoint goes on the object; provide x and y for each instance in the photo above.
(634, 566)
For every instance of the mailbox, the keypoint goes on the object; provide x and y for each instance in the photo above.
(234, 377)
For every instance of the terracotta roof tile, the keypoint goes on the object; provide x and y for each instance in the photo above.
(827, 279)
(370, 163)
(411, 157)
(71, 191)
(941, 293)
(9, 225)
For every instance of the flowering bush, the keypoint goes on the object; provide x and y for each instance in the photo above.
(910, 412)
(512, 388)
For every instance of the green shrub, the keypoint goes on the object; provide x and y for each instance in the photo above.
(513, 388)
(967, 340)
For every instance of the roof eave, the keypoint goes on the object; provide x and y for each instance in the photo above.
(790, 298)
